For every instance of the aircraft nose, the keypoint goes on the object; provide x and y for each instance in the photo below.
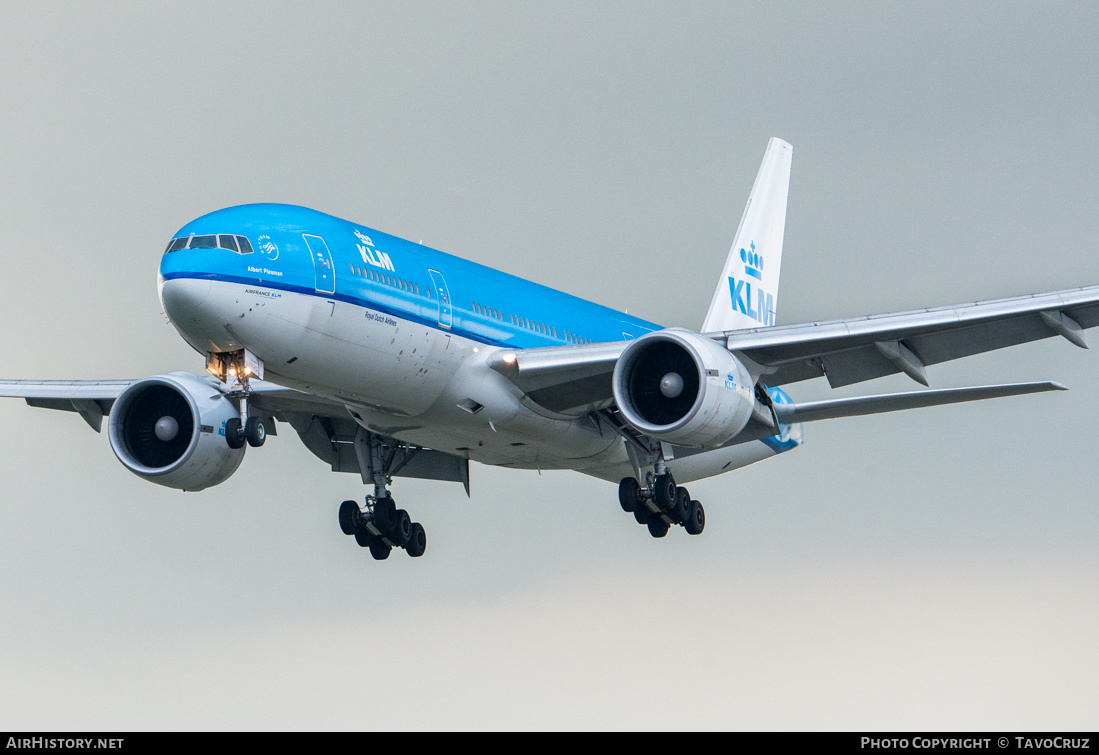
(183, 297)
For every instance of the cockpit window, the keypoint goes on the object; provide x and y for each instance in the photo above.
(236, 244)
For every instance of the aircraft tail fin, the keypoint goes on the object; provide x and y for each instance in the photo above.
(747, 294)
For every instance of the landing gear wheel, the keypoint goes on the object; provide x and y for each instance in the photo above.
(417, 541)
(385, 514)
(364, 539)
(402, 529)
(379, 550)
(658, 528)
(629, 494)
(348, 514)
(682, 510)
(642, 514)
(234, 433)
(696, 522)
(665, 491)
(255, 431)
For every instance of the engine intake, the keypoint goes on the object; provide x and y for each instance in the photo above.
(169, 429)
(679, 387)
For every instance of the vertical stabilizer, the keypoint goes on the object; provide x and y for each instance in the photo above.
(747, 294)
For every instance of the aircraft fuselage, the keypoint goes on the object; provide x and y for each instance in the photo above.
(397, 332)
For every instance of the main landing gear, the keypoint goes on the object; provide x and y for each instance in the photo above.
(661, 504)
(381, 527)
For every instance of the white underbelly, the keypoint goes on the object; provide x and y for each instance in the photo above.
(339, 350)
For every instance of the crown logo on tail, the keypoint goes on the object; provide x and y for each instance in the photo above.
(753, 262)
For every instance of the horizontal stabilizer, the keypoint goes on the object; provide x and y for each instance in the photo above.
(811, 411)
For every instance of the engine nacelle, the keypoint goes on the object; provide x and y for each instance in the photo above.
(169, 429)
(679, 387)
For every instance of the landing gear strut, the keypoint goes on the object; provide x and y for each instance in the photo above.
(379, 525)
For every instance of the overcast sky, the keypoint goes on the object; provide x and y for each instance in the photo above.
(935, 569)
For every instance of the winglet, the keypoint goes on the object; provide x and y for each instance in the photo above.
(747, 293)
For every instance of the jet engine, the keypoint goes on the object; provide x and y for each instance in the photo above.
(170, 429)
(679, 387)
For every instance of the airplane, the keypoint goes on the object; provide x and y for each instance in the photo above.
(391, 359)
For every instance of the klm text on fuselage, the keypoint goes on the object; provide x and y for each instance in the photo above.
(741, 291)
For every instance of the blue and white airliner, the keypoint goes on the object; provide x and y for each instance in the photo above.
(390, 359)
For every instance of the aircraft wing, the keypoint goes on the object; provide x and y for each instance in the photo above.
(90, 398)
(565, 379)
(93, 399)
(325, 426)
(862, 348)
(577, 379)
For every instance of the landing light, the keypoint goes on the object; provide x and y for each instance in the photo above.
(509, 358)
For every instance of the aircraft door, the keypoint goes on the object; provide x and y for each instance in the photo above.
(446, 311)
(322, 264)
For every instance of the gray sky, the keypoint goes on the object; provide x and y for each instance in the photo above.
(928, 570)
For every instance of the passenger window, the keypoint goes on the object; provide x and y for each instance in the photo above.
(228, 242)
(204, 242)
(245, 247)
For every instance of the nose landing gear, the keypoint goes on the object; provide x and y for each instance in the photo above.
(236, 369)
(251, 431)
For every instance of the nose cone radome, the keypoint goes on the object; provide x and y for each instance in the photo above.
(182, 298)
